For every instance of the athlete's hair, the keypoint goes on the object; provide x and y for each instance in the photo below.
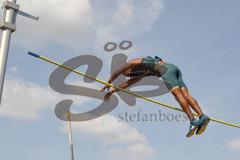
(156, 57)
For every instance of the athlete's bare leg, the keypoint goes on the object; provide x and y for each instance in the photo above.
(191, 101)
(178, 94)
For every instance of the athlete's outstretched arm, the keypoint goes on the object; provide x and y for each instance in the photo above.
(123, 86)
(116, 74)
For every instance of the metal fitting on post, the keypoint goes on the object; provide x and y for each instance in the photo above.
(6, 25)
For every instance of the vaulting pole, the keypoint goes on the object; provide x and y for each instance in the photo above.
(129, 92)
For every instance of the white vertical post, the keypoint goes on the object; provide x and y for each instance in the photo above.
(70, 135)
(5, 42)
(9, 15)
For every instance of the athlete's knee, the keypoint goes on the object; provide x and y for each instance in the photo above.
(188, 97)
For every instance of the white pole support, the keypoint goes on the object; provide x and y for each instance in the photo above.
(7, 25)
(70, 135)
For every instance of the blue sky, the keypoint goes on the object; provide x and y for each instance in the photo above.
(201, 37)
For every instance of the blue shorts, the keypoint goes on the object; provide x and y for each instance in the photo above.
(172, 76)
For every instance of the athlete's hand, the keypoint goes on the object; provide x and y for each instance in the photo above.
(106, 87)
(107, 96)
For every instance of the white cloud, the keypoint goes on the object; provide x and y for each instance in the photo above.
(24, 100)
(67, 23)
(129, 18)
(110, 129)
(122, 140)
(138, 151)
(80, 24)
(234, 144)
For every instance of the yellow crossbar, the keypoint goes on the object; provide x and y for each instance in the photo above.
(129, 92)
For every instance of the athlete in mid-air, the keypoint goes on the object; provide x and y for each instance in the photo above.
(138, 68)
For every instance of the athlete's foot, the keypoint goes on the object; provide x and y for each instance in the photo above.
(203, 123)
(194, 124)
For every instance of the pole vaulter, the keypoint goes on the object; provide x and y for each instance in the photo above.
(124, 90)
